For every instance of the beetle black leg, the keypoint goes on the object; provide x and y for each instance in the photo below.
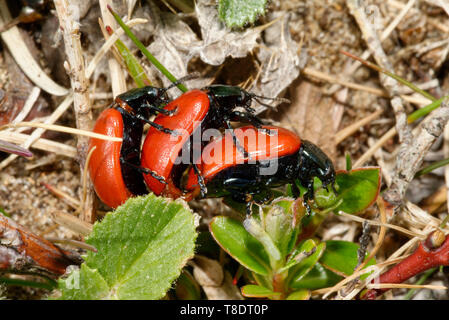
(251, 118)
(308, 196)
(234, 138)
(160, 110)
(296, 193)
(249, 209)
(143, 170)
(157, 126)
(295, 190)
(247, 117)
(201, 183)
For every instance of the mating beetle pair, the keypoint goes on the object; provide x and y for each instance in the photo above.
(117, 174)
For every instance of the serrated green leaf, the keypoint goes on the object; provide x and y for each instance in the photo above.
(242, 246)
(254, 291)
(341, 256)
(142, 247)
(358, 188)
(237, 13)
(84, 284)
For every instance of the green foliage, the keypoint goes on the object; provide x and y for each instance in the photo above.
(240, 244)
(358, 189)
(341, 256)
(267, 242)
(142, 247)
(133, 65)
(237, 13)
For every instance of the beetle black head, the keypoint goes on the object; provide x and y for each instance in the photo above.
(140, 98)
(230, 96)
(315, 163)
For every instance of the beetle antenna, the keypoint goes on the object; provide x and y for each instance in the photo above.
(194, 75)
(264, 104)
(269, 98)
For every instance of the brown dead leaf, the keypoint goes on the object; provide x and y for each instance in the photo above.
(216, 283)
(311, 116)
(281, 59)
(220, 42)
(21, 250)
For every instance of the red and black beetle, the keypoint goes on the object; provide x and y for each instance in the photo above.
(211, 107)
(228, 172)
(114, 167)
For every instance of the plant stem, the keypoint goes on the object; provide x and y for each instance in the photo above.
(424, 258)
(421, 280)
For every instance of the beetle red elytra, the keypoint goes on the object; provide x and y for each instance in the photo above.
(114, 167)
(274, 159)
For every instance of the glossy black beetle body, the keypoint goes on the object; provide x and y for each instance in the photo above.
(244, 180)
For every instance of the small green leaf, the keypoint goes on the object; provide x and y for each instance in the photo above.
(3, 212)
(296, 273)
(358, 189)
(237, 13)
(242, 246)
(341, 256)
(253, 291)
(142, 247)
(318, 277)
(348, 162)
(145, 51)
(301, 252)
(256, 230)
(299, 295)
(278, 223)
(132, 63)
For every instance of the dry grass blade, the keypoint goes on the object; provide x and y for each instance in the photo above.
(37, 133)
(72, 223)
(380, 224)
(73, 243)
(370, 152)
(29, 103)
(108, 44)
(351, 129)
(117, 75)
(58, 128)
(24, 58)
(41, 144)
(420, 101)
(404, 285)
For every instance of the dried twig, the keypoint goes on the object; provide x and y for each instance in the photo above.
(374, 44)
(75, 66)
(409, 160)
(420, 101)
(118, 80)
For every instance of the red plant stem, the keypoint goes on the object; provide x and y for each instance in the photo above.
(422, 259)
